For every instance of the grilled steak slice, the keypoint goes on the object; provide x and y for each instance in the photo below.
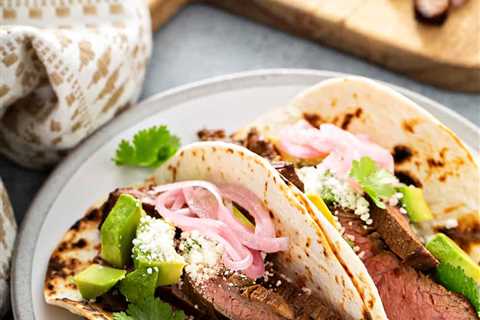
(212, 135)
(395, 230)
(367, 241)
(236, 297)
(256, 142)
(177, 298)
(407, 294)
(287, 170)
(226, 298)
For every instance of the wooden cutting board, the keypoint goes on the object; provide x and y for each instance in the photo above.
(381, 31)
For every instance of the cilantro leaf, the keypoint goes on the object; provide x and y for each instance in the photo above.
(455, 279)
(122, 316)
(149, 309)
(378, 183)
(149, 148)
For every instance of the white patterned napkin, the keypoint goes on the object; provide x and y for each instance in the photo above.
(8, 230)
(66, 68)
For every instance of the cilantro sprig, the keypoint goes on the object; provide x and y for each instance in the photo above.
(378, 183)
(149, 148)
(455, 279)
(149, 309)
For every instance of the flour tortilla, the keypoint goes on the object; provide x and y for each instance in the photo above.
(310, 257)
(440, 163)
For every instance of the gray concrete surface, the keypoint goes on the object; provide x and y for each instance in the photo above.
(202, 42)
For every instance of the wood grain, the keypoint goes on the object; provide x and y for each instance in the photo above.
(381, 31)
(162, 10)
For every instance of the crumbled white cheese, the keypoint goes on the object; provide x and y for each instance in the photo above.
(395, 199)
(202, 255)
(450, 223)
(155, 240)
(332, 189)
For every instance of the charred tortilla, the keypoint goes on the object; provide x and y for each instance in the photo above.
(426, 154)
(310, 259)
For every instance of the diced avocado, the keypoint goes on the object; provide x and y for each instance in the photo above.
(415, 204)
(118, 230)
(455, 280)
(242, 219)
(139, 284)
(97, 280)
(447, 251)
(320, 204)
(169, 272)
(154, 247)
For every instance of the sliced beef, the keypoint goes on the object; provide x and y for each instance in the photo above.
(367, 241)
(407, 294)
(395, 230)
(217, 295)
(306, 306)
(236, 298)
(256, 142)
(287, 170)
(212, 135)
(177, 298)
(112, 301)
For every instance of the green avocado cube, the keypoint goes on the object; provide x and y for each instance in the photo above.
(415, 204)
(447, 251)
(119, 229)
(169, 272)
(97, 280)
(154, 247)
(139, 284)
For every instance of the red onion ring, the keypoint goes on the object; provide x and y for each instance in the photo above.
(206, 213)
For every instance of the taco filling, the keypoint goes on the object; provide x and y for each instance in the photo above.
(209, 250)
(419, 271)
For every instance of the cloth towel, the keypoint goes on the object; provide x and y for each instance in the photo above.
(66, 68)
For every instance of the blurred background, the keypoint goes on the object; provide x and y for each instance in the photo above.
(202, 41)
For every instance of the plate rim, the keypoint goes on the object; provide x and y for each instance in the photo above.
(21, 263)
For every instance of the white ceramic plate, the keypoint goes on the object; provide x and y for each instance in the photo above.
(88, 173)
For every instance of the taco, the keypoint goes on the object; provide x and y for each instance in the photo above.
(397, 185)
(217, 234)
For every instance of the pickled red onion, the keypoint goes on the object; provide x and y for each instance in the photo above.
(206, 212)
(249, 201)
(342, 147)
